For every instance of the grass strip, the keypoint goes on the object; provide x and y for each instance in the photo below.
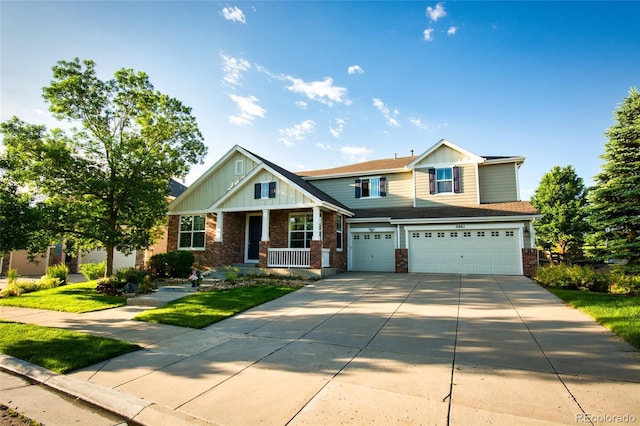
(57, 349)
(618, 313)
(76, 298)
(202, 309)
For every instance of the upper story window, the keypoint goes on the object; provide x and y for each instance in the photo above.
(264, 190)
(372, 187)
(191, 234)
(444, 180)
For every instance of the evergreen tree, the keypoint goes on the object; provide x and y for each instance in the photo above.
(615, 210)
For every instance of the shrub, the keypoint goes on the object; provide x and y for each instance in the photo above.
(146, 285)
(625, 284)
(573, 278)
(58, 271)
(18, 287)
(130, 275)
(173, 264)
(12, 275)
(93, 271)
(111, 286)
(231, 273)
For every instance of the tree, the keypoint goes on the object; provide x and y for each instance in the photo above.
(561, 199)
(615, 199)
(105, 181)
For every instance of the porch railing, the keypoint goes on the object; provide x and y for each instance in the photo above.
(294, 258)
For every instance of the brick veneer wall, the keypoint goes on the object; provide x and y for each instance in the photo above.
(402, 260)
(529, 261)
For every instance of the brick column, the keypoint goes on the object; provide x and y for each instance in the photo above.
(529, 261)
(402, 260)
(316, 254)
(264, 252)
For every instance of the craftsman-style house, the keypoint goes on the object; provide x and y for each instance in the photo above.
(445, 210)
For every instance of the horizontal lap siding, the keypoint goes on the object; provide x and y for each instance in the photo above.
(468, 186)
(498, 183)
(399, 191)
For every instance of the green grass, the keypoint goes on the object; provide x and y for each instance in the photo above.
(620, 314)
(202, 309)
(57, 349)
(75, 298)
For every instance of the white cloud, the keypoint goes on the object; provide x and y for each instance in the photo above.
(301, 104)
(426, 126)
(428, 34)
(390, 117)
(321, 91)
(452, 30)
(233, 68)
(337, 131)
(356, 154)
(324, 146)
(248, 108)
(435, 13)
(298, 132)
(355, 69)
(233, 14)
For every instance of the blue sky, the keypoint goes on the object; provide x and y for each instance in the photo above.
(313, 85)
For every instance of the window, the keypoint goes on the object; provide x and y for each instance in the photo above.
(191, 234)
(387, 236)
(495, 233)
(264, 190)
(480, 234)
(427, 235)
(371, 187)
(454, 235)
(301, 230)
(440, 234)
(466, 234)
(339, 233)
(239, 167)
(415, 235)
(509, 233)
(444, 180)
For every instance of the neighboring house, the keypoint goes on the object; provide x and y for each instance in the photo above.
(21, 261)
(445, 210)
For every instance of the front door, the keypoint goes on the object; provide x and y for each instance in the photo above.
(254, 234)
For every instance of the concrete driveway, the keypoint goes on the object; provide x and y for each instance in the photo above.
(363, 348)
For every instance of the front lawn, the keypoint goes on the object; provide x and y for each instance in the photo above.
(620, 314)
(57, 349)
(205, 308)
(76, 298)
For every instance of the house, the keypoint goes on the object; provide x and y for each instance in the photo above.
(445, 210)
(28, 265)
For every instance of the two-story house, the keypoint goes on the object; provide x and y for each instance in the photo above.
(445, 210)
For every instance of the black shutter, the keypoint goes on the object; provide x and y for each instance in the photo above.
(383, 186)
(432, 181)
(257, 191)
(358, 188)
(456, 180)
(272, 190)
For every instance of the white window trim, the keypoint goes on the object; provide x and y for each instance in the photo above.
(369, 179)
(180, 232)
(340, 232)
(239, 170)
(444, 180)
(310, 231)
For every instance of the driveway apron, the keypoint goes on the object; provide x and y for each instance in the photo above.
(362, 348)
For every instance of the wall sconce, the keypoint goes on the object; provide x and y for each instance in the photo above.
(527, 234)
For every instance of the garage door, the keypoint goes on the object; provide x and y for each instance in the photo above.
(373, 251)
(477, 251)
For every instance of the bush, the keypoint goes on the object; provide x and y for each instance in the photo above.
(625, 284)
(18, 287)
(573, 278)
(58, 271)
(111, 286)
(93, 271)
(12, 275)
(173, 264)
(130, 275)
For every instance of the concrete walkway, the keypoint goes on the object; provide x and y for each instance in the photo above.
(365, 348)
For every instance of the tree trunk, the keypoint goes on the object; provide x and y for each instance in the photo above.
(109, 269)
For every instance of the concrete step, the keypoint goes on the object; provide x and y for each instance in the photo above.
(181, 288)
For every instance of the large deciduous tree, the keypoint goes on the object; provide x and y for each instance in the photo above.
(615, 199)
(105, 181)
(561, 199)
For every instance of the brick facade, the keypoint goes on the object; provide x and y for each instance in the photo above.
(402, 260)
(529, 261)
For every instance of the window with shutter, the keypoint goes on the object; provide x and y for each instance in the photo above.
(371, 187)
(264, 190)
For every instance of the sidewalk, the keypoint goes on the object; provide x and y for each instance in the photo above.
(362, 348)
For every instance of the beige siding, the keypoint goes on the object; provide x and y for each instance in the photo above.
(468, 186)
(444, 155)
(498, 183)
(399, 191)
(216, 185)
(286, 195)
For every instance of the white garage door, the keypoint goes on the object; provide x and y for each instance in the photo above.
(474, 251)
(373, 251)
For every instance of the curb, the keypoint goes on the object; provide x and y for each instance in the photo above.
(130, 407)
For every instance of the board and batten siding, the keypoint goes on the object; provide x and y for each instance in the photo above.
(399, 191)
(498, 183)
(286, 195)
(216, 185)
(468, 187)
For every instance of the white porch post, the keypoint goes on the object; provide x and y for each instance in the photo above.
(219, 226)
(265, 225)
(316, 224)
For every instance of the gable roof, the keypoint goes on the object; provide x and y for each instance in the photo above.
(444, 142)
